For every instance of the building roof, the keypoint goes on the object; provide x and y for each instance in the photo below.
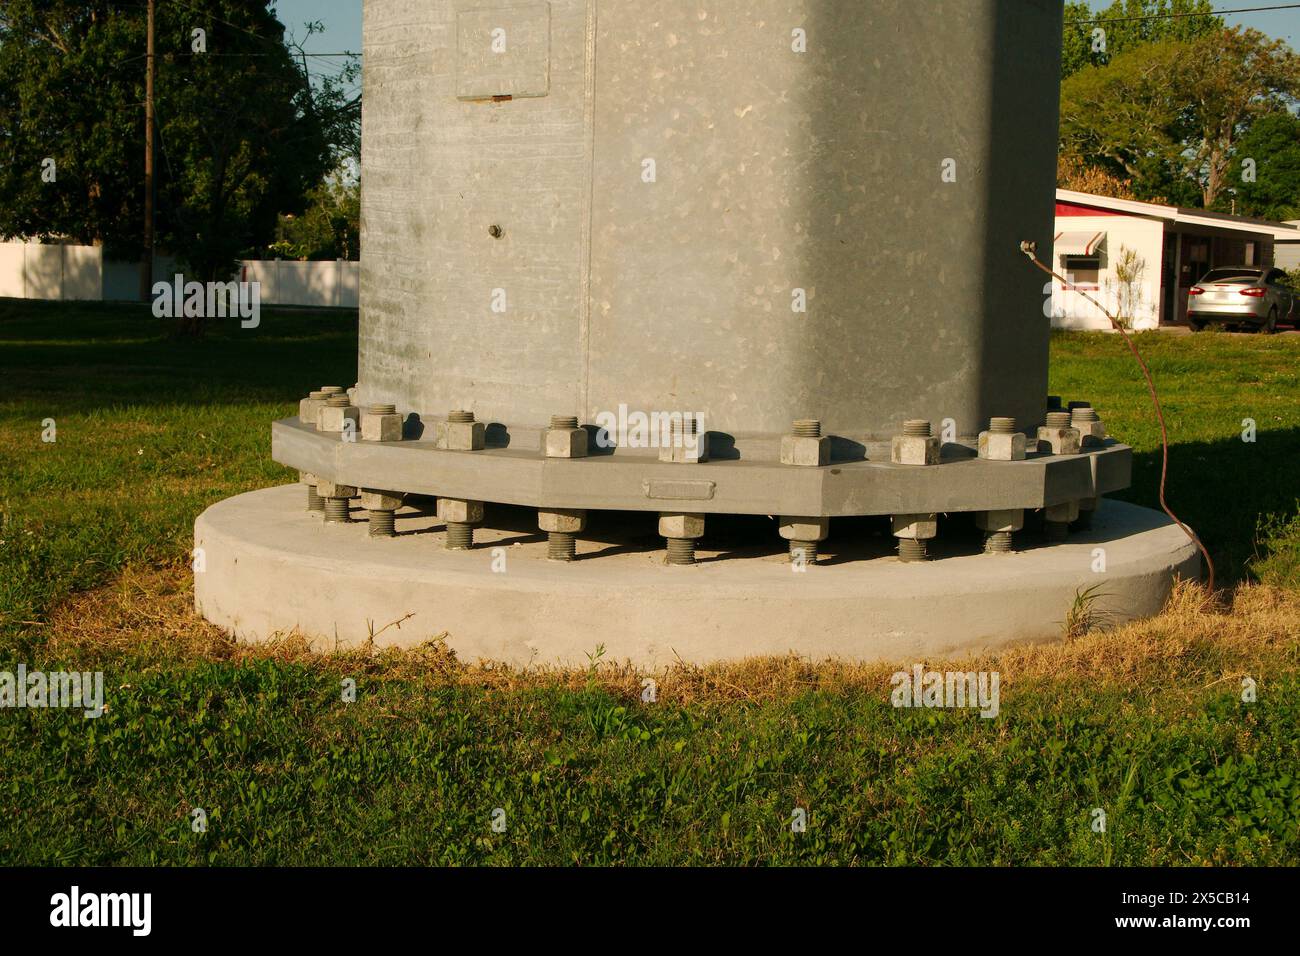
(1191, 217)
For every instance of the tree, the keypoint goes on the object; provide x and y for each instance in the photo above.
(329, 228)
(1230, 79)
(70, 121)
(1167, 115)
(1269, 187)
(1092, 39)
(242, 133)
(1072, 172)
(1124, 117)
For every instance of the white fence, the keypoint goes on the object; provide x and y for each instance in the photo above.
(31, 270)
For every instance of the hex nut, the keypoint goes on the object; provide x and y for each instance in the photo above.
(566, 443)
(990, 522)
(686, 449)
(309, 408)
(676, 525)
(808, 452)
(460, 511)
(460, 436)
(566, 520)
(332, 417)
(1062, 440)
(1091, 434)
(920, 527)
(1065, 512)
(386, 426)
(914, 450)
(306, 478)
(331, 489)
(995, 446)
(373, 500)
(804, 529)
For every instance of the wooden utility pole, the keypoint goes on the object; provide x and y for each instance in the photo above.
(146, 258)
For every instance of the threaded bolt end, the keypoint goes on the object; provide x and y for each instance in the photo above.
(317, 395)
(564, 421)
(1056, 531)
(912, 549)
(681, 550)
(314, 501)
(383, 524)
(1002, 426)
(916, 428)
(807, 428)
(460, 537)
(460, 416)
(807, 550)
(687, 425)
(561, 545)
(1058, 419)
(383, 408)
(336, 509)
(1085, 415)
(997, 542)
(328, 390)
(338, 400)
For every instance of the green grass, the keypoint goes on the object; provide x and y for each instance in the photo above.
(1209, 384)
(150, 431)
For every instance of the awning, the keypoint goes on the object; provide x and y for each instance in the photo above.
(1078, 243)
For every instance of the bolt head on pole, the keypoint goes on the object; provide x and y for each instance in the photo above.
(565, 439)
(1002, 442)
(806, 446)
(916, 446)
(460, 432)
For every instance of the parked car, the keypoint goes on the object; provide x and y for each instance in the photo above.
(1233, 295)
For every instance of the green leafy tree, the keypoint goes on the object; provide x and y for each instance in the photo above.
(1271, 190)
(242, 132)
(330, 226)
(1092, 39)
(1167, 115)
(1231, 79)
(1125, 117)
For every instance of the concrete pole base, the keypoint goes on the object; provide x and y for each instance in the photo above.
(272, 569)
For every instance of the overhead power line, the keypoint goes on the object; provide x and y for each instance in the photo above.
(1181, 16)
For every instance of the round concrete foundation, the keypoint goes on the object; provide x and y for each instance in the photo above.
(271, 567)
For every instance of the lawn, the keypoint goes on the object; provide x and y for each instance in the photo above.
(1144, 721)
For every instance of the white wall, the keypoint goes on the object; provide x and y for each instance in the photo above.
(333, 284)
(32, 270)
(1286, 255)
(1070, 310)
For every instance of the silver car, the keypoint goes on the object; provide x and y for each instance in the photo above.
(1233, 295)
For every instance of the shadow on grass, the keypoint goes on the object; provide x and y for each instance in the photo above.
(1222, 489)
(67, 357)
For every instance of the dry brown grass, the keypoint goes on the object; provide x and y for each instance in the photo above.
(148, 616)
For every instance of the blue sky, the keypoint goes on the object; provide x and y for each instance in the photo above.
(342, 19)
(1284, 24)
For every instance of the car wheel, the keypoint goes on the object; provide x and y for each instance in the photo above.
(1271, 325)
(1196, 326)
